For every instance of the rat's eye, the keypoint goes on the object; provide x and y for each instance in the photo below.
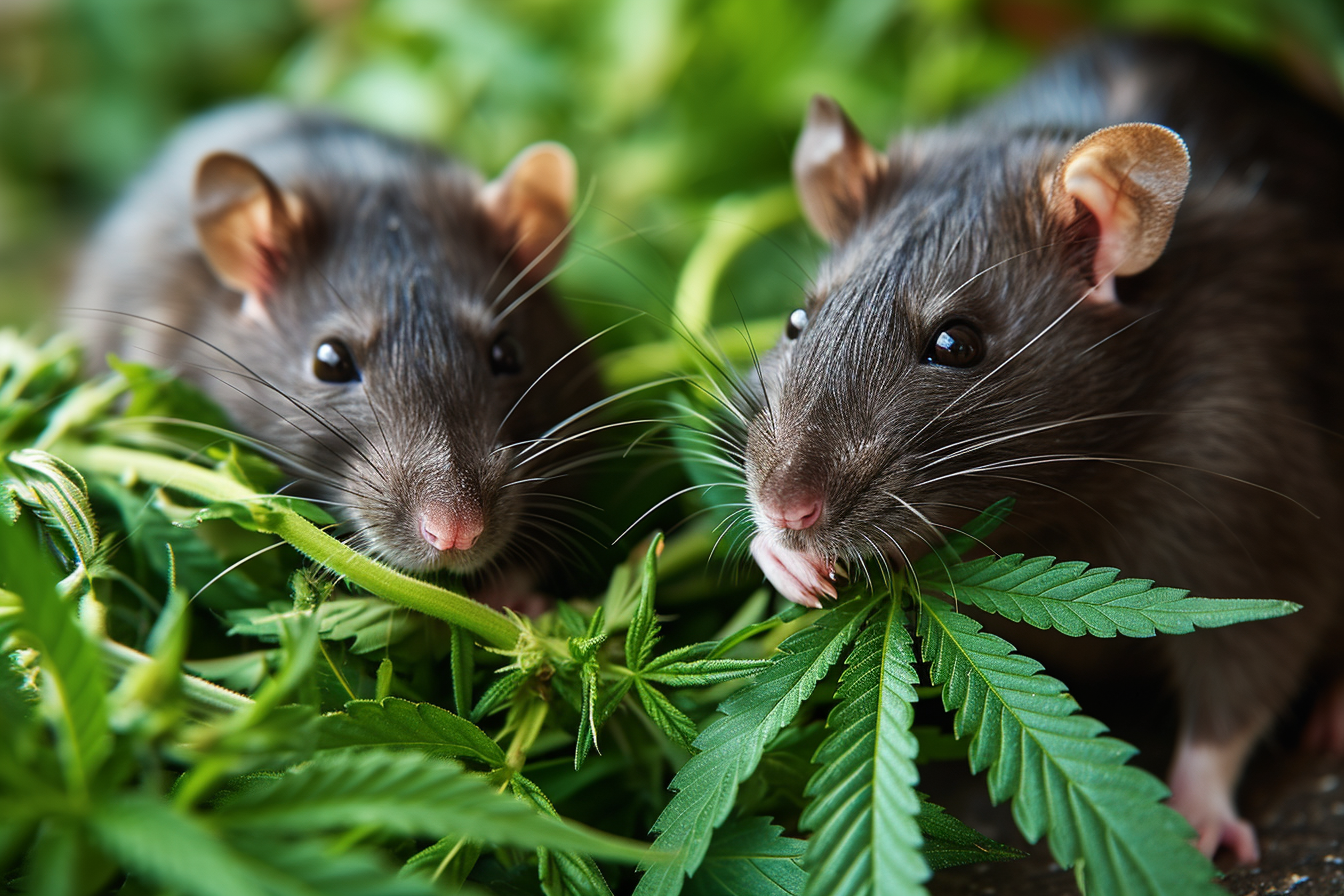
(797, 323)
(506, 356)
(332, 362)
(958, 344)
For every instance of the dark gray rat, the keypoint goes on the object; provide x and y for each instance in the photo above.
(1114, 293)
(368, 309)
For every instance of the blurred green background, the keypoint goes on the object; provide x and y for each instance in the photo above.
(670, 105)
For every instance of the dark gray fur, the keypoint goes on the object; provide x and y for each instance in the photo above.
(397, 260)
(1199, 417)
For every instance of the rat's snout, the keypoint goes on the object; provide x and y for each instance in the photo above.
(801, 511)
(451, 527)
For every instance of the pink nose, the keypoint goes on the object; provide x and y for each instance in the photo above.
(802, 514)
(450, 529)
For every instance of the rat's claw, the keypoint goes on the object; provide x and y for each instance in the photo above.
(802, 578)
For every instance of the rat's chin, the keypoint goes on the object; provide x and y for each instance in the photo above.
(802, 576)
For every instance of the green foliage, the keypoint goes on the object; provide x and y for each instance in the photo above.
(384, 725)
(864, 812)
(748, 856)
(1065, 780)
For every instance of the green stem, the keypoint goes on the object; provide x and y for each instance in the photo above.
(205, 694)
(490, 625)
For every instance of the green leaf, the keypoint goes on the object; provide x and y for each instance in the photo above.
(1065, 780)
(697, 673)
(963, 540)
(170, 849)
(673, 722)
(949, 842)
(393, 722)
(315, 865)
(643, 633)
(1076, 600)
(374, 623)
(402, 793)
(864, 804)
(72, 686)
(447, 862)
(463, 662)
(500, 693)
(60, 496)
(748, 857)
(788, 614)
(562, 873)
(731, 747)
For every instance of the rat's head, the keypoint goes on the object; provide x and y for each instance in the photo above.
(955, 342)
(391, 338)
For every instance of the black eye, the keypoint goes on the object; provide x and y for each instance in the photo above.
(333, 363)
(506, 356)
(797, 322)
(958, 344)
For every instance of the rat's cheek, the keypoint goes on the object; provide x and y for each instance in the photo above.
(799, 577)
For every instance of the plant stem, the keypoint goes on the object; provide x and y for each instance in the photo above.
(491, 626)
(205, 694)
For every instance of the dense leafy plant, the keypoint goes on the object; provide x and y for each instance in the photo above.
(440, 747)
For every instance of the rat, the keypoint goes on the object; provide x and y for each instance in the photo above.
(1115, 294)
(369, 312)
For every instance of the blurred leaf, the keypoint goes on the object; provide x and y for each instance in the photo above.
(949, 842)
(393, 722)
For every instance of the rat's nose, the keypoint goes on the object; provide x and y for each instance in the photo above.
(800, 514)
(449, 528)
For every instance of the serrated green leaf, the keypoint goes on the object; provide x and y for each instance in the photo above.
(71, 683)
(393, 722)
(731, 747)
(643, 633)
(309, 865)
(406, 794)
(748, 857)
(463, 662)
(697, 673)
(500, 693)
(864, 801)
(949, 842)
(586, 737)
(1065, 780)
(672, 721)
(59, 494)
(447, 862)
(562, 873)
(1076, 600)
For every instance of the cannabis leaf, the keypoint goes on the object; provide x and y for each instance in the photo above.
(1065, 780)
(403, 793)
(1076, 600)
(748, 857)
(393, 722)
(864, 807)
(949, 842)
(731, 747)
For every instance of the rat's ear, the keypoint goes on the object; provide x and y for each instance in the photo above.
(247, 226)
(1131, 179)
(530, 204)
(833, 170)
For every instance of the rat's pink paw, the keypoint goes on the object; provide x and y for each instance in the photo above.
(1202, 780)
(514, 591)
(1325, 729)
(802, 578)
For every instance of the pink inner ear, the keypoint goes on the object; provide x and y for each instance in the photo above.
(1115, 223)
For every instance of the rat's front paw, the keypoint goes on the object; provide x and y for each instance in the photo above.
(802, 578)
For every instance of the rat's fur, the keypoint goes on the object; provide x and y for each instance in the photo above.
(397, 258)
(1185, 433)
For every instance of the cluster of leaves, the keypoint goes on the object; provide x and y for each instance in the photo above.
(438, 749)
